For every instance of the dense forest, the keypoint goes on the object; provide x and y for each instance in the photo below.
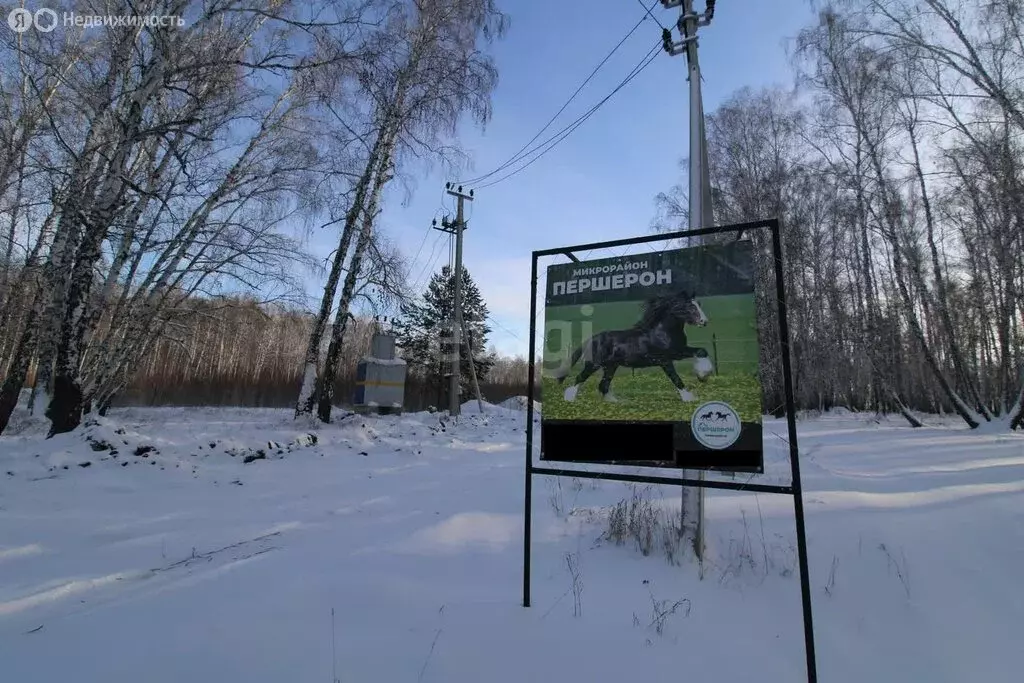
(149, 171)
(158, 185)
(896, 170)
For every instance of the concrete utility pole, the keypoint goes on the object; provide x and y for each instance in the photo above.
(699, 208)
(700, 213)
(456, 229)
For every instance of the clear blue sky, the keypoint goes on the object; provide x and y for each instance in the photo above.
(600, 182)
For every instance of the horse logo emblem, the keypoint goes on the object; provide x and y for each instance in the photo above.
(715, 425)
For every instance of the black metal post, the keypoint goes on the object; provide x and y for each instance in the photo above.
(794, 454)
(668, 481)
(714, 351)
(795, 489)
(528, 482)
(653, 237)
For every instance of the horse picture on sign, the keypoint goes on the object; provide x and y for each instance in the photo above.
(658, 339)
(673, 332)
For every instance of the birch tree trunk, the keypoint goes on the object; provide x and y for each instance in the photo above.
(10, 391)
(65, 409)
(308, 391)
(380, 179)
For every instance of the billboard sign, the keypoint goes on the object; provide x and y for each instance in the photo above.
(652, 360)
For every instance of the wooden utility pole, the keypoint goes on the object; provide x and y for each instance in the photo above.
(472, 373)
(456, 227)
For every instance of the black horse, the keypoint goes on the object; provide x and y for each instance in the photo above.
(657, 339)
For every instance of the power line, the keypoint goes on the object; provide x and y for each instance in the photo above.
(422, 242)
(553, 141)
(429, 265)
(648, 10)
(491, 319)
(519, 154)
(426, 233)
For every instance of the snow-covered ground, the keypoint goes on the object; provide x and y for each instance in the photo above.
(389, 549)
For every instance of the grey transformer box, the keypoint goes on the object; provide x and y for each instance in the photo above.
(380, 378)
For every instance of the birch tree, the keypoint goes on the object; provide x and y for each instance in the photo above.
(154, 105)
(898, 185)
(966, 73)
(433, 75)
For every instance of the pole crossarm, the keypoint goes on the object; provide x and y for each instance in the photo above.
(457, 192)
(688, 23)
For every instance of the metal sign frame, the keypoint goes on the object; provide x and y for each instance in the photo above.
(608, 435)
(794, 489)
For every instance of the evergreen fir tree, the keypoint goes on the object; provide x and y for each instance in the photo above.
(424, 333)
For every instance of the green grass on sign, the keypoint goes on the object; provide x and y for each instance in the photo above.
(650, 395)
(647, 393)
